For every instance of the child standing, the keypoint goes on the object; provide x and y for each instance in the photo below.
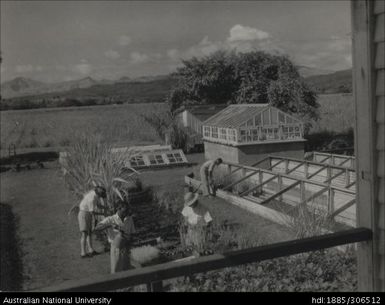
(120, 228)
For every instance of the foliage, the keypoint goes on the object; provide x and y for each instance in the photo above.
(328, 140)
(327, 270)
(166, 124)
(90, 162)
(308, 220)
(254, 77)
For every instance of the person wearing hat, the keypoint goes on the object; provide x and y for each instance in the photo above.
(120, 230)
(206, 173)
(197, 220)
(87, 210)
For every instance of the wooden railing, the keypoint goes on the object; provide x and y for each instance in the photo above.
(328, 157)
(326, 187)
(154, 275)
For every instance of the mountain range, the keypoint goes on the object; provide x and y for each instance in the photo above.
(22, 86)
(322, 81)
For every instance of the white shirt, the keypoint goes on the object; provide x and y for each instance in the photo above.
(88, 202)
(193, 217)
(127, 226)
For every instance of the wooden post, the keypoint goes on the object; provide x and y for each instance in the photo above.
(280, 186)
(306, 169)
(302, 191)
(260, 180)
(228, 169)
(364, 85)
(347, 177)
(328, 174)
(330, 200)
(286, 166)
(155, 287)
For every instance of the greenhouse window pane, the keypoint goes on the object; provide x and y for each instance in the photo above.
(266, 118)
(258, 120)
(274, 115)
(281, 117)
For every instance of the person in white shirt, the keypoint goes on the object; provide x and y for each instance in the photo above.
(87, 209)
(197, 220)
(120, 228)
(206, 173)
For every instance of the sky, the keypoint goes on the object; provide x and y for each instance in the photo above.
(55, 41)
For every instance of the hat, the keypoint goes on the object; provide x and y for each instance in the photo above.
(190, 198)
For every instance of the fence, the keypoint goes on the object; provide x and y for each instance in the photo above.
(154, 275)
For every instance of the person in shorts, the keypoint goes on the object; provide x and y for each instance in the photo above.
(87, 210)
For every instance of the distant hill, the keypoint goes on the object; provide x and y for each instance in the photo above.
(305, 71)
(88, 92)
(23, 93)
(22, 86)
(337, 82)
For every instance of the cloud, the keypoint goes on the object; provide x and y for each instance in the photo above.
(24, 68)
(244, 33)
(83, 67)
(124, 40)
(112, 54)
(138, 58)
(173, 54)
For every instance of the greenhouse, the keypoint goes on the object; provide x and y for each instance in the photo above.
(245, 124)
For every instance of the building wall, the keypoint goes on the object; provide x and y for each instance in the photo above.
(189, 120)
(379, 67)
(368, 24)
(250, 154)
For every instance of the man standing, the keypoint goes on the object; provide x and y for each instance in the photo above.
(120, 229)
(206, 174)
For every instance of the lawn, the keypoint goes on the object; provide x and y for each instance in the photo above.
(50, 239)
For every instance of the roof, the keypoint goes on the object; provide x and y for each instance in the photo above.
(203, 112)
(235, 115)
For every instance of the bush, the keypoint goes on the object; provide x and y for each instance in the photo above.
(89, 162)
(328, 270)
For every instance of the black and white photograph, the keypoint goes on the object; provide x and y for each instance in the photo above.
(192, 146)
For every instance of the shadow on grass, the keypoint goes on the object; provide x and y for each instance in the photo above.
(11, 263)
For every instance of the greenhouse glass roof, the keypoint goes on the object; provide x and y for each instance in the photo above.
(235, 115)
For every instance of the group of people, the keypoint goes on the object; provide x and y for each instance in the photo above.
(120, 227)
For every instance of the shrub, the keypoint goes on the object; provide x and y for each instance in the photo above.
(89, 162)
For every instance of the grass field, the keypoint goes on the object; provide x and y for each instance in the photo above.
(336, 112)
(122, 124)
(56, 127)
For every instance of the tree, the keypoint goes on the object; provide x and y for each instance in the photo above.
(236, 78)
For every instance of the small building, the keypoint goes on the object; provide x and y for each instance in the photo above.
(193, 116)
(247, 133)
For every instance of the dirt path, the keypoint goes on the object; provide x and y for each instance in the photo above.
(50, 239)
